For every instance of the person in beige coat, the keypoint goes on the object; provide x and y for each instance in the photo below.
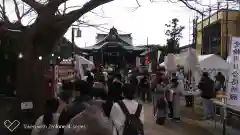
(90, 122)
(177, 88)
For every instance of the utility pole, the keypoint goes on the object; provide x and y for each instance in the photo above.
(209, 36)
(202, 34)
(147, 41)
(226, 45)
(189, 21)
(195, 31)
(218, 6)
(73, 44)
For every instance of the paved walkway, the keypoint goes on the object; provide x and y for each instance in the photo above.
(190, 125)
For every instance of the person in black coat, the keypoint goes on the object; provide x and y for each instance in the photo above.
(134, 81)
(90, 78)
(219, 82)
(114, 95)
(206, 85)
(145, 89)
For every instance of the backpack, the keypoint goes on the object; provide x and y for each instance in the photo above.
(133, 125)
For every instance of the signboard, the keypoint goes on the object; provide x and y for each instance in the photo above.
(26, 105)
(233, 88)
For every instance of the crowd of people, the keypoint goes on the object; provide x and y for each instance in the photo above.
(99, 107)
(103, 106)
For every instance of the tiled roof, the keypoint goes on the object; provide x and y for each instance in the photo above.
(113, 38)
(94, 47)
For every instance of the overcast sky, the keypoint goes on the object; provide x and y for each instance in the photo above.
(148, 21)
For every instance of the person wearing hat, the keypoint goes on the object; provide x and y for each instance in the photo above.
(206, 85)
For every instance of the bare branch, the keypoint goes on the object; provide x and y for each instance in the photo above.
(185, 2)
(96, 26)
(3, 11)
(102, 16)
(191, 7)
(35, 5)
(74, 15)
(64, 10)
(139, 3)
(54, 4)
(26, 12)
(31, 21)
(17, 10)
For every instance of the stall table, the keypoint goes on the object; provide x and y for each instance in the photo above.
(227, 109)
(193, 94)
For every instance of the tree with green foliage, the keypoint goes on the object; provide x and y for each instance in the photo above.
(174, 34)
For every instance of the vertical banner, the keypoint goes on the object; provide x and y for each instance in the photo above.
(158, 56)
(138, 62)
(79, 68)
(91, 58)
(233, 88)
(150, 67)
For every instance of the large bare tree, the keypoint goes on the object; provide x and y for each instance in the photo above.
(39, 39)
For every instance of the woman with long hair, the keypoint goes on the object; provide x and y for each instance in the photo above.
(45, 122)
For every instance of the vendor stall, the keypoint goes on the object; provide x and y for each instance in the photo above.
(210, 63)
(227, 114)
(85, 62)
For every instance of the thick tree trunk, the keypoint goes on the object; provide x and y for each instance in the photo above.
(31, 83)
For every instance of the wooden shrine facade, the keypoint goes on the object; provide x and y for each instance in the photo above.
(113, 48)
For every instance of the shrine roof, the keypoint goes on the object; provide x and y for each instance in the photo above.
(113, 38)
(127, 47)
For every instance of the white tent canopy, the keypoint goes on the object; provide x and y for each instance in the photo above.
(212, 64)
(185, 53)
(84, 61)
(80, 61)
(178, 60)
(212, 61)
(209, 61)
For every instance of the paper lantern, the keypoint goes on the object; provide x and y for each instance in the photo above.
(146, 60)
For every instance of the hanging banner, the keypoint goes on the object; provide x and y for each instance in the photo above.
(158, 56)
(150, 67)
(79, 68)
(138, 63)
(233, 88)
(91, 58)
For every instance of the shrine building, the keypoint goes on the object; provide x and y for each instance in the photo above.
(113, 48)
